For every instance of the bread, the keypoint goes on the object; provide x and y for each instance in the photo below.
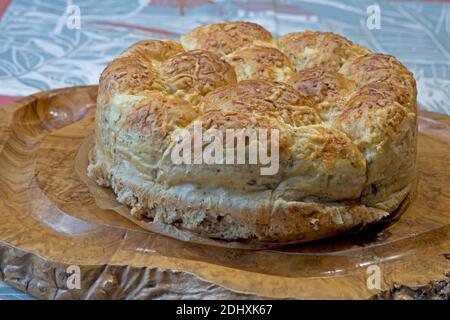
(346, 119)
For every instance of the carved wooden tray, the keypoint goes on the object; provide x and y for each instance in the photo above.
(49, 221)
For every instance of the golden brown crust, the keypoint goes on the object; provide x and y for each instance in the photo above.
(258, 62)
(383, 130)
(267, 99)
(197, 71)
(378, 67)
(134, 71)
(391, 90)
(226, 37)
(325, 50)
(346, 118)
(159, 50)
(329, 89)
(375, 67)
(129, 75)
(258, 95)
(322, 85)
(157, 115)
(324, 165)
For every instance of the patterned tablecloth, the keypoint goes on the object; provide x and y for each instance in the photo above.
(41, 46)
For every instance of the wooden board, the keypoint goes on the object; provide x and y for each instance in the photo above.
(49, 221)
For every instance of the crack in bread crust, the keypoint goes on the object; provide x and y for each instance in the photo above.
(347, 117)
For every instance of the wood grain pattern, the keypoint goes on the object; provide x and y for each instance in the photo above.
(49, 220)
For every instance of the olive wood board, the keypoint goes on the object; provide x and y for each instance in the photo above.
(49, 221)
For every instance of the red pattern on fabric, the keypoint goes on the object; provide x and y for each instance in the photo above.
(136, 27)
(4, 4)
(4, 100)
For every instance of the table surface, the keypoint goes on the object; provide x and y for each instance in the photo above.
(38, 51)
